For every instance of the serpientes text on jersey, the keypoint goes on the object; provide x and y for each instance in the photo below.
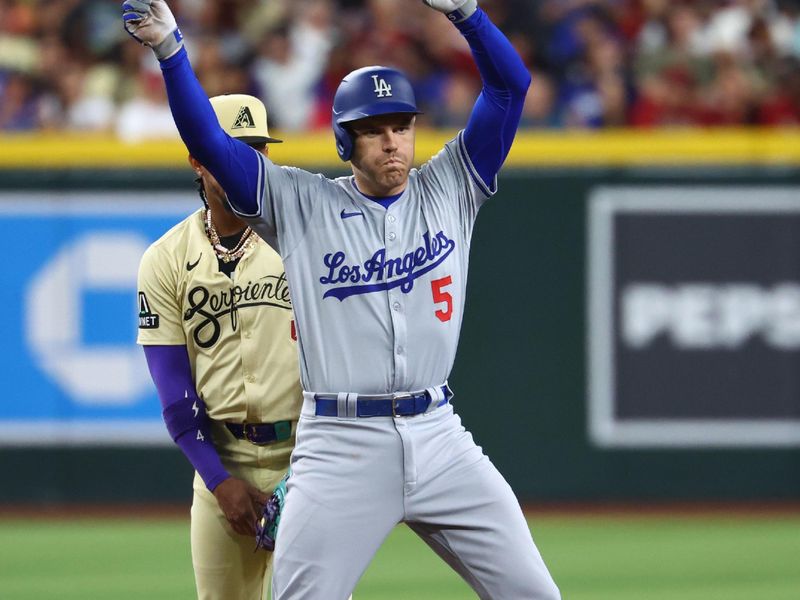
(270, 290)
(386, 273)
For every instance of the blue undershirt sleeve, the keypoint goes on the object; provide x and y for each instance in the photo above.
(495, 117)
(234, 164)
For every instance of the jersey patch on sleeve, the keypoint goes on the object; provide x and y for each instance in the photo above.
(147, 318)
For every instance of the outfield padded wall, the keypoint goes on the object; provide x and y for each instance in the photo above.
(521, 376)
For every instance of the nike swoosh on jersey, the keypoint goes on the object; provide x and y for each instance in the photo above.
(190, 266)
(347, 215)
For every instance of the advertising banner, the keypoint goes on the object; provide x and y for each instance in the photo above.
(71, 370)
(694, 316)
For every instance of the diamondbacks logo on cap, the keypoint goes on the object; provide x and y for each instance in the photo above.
(244, 119)
(147, 318)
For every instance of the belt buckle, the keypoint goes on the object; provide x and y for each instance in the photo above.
(249, 433)
(395, 398)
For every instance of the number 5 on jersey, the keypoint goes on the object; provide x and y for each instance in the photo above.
(440, 296)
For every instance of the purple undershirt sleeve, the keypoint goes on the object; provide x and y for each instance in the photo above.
(184, 412)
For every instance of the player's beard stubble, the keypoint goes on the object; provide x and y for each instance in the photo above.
(383, 153)
(386, 173)
(393, 172)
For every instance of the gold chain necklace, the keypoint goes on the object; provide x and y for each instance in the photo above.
(243, 245)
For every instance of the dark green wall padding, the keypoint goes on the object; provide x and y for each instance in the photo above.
(520, 374)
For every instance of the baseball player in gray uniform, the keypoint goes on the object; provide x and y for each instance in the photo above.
(377, 266)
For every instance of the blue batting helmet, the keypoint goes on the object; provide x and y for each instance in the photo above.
(367, 92)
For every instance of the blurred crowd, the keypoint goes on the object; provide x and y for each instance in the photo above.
(68, 64)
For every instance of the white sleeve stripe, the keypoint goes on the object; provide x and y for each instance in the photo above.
(260, 184)
(487, 190)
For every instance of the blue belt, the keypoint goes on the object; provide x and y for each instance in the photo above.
(261, 433)
(389, 405)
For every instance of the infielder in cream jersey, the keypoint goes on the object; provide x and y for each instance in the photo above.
(377, 265)
(216, 324)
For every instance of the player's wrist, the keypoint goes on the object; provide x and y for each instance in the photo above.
(463, 12)
(217, 480)
(169, 46)
(455, 10)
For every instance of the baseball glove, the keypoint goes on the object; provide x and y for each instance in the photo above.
(267, 526)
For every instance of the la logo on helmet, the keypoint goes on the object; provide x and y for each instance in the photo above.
(382, 89)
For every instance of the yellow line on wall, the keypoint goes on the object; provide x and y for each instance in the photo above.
(531, 149)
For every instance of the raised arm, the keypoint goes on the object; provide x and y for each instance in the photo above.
(495, 117)
(234, 164)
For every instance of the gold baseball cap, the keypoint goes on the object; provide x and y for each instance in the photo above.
(243, 117)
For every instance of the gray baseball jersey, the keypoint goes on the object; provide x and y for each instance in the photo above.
(379, 294)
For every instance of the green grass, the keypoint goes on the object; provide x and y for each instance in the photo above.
(591, 558)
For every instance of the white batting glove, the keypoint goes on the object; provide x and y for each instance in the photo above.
(456, 10)
(152, 23)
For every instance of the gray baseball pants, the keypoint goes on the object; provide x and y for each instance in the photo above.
(354, 480)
